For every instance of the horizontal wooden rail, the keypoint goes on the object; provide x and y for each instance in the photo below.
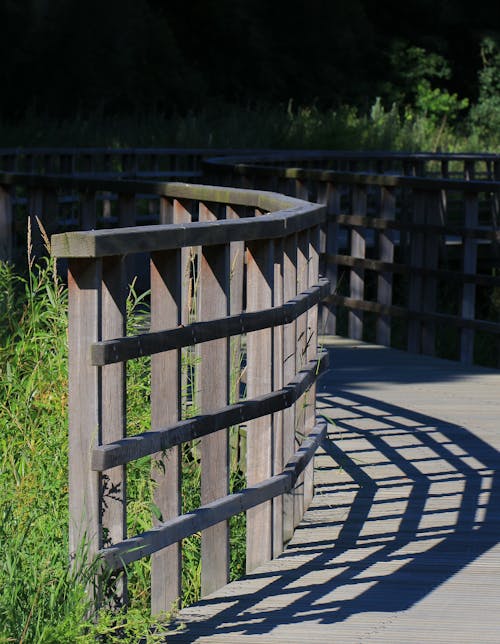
(417, 233)
(133, 447)
(229, 269)
(146, 344)
(130, 550)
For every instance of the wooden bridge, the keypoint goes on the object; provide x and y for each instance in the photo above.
(393, 536)
(400, 543)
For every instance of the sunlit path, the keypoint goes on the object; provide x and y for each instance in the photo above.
(401, 541)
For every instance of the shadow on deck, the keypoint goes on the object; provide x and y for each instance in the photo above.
(405, 503)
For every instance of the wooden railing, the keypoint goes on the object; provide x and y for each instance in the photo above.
(255, 260)
(413, 260)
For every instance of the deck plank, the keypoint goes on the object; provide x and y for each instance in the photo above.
(401, 542)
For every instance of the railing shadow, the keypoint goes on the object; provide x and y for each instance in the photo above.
(408, 504)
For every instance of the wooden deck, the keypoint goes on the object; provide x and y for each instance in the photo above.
(401, 542)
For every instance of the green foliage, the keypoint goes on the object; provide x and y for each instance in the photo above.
(485, 115)
(41, 599)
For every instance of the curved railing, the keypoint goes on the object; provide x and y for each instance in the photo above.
(413, 260)
(252, 259)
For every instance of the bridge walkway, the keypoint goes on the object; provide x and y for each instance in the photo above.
(401, 542)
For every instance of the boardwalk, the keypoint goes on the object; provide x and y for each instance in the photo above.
(401, 541)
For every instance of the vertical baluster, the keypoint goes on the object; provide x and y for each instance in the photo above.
(386, 254)
(166, 292)
(289, 364)
(357, 276)
(311, 353)
(6, 222)
(260, 274)
(330, 196)
(416, 282)
(469, 268)
(114, 492)
(84, 409)
(301, 359)
(430, 261)
(277, 352)
(213, 393)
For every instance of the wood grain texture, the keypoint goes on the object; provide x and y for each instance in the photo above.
(213, 393)
(289, 371)
(84, 409)
(260, 277)
(358, 249)
(468, 310)
(166, 289)
(113, 419)
(386, 255)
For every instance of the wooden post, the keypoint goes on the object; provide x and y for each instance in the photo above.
(6, 221)
(277, 357)
(84, 409)
(301, 359)
(114, 492)
(469, 288)
(358, 249)
(166, 287)
(330, 196)
(416, 282)
(311, 352)
(213, 393)
(260, 274)
(386, 254)
(289, 364)
(430, 259)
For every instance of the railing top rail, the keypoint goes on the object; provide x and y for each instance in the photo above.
(286, 215)
(316, 155)
(260, 155)
(358, 178)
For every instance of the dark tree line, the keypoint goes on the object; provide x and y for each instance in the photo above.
(61, 57)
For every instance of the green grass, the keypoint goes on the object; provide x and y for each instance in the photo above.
(260, 126)
(41, 599)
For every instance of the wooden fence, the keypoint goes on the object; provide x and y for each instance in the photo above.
(256, 260)
(408, 254)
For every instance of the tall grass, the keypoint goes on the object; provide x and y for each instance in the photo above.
(258, 126)
(41, 599)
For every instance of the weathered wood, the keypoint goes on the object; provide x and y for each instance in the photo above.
(358, 249)
(416, 281)
(404, 522)
(144, 344)
(84, 410)
(113, 420)
(468, 309)
(311, 351)
(329, 195)
(430, 260)
(140, 445)
(289, 371)
(213, 393)
(386, 255)
(441, 318)
(277, 366)
(6, 223)
(213, 513)
(166, 286)
(260, 273)
(101, 243)
(300, 360)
